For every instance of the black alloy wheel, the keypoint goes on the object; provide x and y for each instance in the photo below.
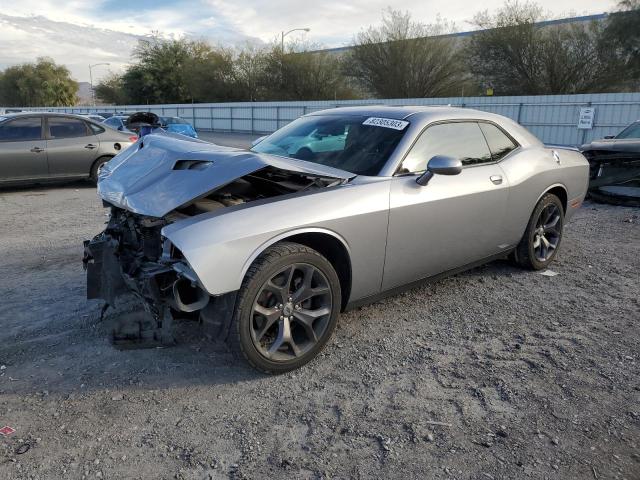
(546, 236)
(286, 309)
(541, 240)
(291, 312)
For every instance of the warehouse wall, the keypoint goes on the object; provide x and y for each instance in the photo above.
(552, 118)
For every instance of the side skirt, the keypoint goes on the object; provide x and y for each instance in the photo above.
(417, 283)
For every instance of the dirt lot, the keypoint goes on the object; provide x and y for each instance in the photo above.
(497, 373)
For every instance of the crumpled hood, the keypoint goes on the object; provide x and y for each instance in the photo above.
(151, 176)
(613, 145)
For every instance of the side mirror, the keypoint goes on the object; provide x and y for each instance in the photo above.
(120, 128)
(609, 137)
(440, 165)
(258, 140)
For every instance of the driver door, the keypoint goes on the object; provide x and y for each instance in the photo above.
(453, 220)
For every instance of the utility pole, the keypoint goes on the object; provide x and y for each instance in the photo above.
(93, 95)
(284, 34)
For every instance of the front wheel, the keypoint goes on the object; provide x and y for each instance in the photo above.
(287, 308)
(541, 240)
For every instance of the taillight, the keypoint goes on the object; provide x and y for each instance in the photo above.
(133, 138)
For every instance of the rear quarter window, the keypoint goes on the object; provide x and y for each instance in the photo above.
(63, 127)
(499, 143)
(96, 129)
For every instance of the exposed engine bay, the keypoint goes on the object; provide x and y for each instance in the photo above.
(266, 183)
(131, 257)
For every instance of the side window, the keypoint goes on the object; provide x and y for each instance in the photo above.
(21, 129)
(62, 127)
(632, 131)
(96, 129)
(499, 144)
(461, 140)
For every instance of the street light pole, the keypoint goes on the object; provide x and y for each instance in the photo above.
(284, 34)
(93, 95)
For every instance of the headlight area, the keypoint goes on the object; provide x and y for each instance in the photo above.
(130, 260)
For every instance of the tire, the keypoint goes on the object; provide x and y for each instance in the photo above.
(95, 168)
(529, 252)
(285, 267)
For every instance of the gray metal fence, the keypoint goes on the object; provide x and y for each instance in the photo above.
(552, 118)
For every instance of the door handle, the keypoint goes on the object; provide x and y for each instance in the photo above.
(37, 150)
(496, 179)
(91, 146)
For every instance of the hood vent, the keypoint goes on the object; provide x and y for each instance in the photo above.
(192, 164)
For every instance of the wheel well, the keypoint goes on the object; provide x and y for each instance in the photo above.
(334, 251)
(95, 162)
(561, 193)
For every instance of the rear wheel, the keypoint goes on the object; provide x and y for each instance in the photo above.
(95, 168)
(541, 240)
(286, 310)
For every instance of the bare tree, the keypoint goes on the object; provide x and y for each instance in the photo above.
(402, 58)
(304, 72)
(515, 55)
(249, 72)
(622, 36)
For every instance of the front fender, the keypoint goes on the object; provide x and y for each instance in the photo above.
(288, 234)
(221, 246)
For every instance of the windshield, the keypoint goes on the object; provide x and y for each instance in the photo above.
(357, 144)
(632, 131)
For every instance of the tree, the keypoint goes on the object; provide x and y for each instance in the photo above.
(159, 74)
(111, 90)
(39, 84)
(622, 35)
(302, 72)
(209, 75)
(404, 59)
(249, 73)
(173, 71)
(515, 55)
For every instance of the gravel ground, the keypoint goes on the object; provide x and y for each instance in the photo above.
(497, 373)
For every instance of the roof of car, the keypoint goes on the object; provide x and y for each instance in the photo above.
(50, 114)
(423, 115)
(400, 112)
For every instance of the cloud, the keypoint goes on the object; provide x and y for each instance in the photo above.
(76, 46)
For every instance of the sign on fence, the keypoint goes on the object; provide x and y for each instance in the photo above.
(585, 122)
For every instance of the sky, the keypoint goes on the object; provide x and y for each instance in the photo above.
(78, 33)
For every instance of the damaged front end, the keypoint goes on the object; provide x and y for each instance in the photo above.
(131, 257)
(164, 181)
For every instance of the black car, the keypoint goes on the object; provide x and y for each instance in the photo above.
(614, 159)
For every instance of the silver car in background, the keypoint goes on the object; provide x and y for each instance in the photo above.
(45, 147)
(264, 248)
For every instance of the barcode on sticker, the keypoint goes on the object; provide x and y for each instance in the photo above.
(386, 123)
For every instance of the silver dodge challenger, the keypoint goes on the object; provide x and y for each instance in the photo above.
(264, 248)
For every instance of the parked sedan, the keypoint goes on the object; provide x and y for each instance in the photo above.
(265, 249)
(118, 122)
(93, 116)
(178, 125)
(614, 159)
(44, 147)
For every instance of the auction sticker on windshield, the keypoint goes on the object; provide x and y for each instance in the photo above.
(386, 123)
